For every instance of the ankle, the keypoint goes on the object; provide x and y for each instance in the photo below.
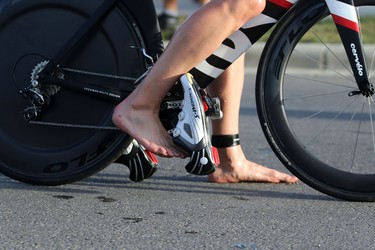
(229, 148)
(225, 141)
(171, 12)
(139, 104)
(230, 154)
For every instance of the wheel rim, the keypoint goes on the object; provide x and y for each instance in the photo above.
(320, 132)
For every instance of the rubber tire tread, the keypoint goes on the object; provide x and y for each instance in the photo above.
(322, 177)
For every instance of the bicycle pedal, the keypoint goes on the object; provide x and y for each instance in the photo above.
(191, 133)
(211, 105)
(141, 163)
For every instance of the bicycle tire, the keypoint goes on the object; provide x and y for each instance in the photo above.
(31, 31)
(316, 125)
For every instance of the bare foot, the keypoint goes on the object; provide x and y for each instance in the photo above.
(234, 167)
(143, 124)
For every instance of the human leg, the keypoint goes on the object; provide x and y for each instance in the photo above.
(203, 1)
(170, 5)
(138, 114)
(168, 19)
(234, 167)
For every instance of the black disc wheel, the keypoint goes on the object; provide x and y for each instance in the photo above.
(31, 32)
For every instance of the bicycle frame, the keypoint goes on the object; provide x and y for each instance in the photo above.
(91, 45)
(154, 49)
(343, 12)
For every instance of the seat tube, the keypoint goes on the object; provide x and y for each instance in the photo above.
(345, 16)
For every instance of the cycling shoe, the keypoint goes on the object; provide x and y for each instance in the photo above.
(141, 163)
(191, 134)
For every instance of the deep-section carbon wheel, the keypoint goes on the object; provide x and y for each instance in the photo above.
(317, 123)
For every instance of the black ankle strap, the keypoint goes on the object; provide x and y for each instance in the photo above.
(225, 141)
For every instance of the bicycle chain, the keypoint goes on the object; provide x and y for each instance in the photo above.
(165, 105)
(85, 126)
(69, 125)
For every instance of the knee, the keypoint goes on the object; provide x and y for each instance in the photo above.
(243, 10)
(258, 6)
(247, 9)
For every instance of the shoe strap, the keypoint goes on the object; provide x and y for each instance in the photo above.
(225, 141)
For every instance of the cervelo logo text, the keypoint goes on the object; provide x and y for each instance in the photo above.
(356, 58)
(196, 115)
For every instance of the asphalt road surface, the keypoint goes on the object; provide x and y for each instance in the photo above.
(174, 210)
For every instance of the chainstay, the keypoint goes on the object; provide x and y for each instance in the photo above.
(166, 105)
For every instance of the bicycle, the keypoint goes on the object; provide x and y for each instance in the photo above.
(59, 143)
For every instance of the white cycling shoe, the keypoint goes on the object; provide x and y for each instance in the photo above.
(191, 133)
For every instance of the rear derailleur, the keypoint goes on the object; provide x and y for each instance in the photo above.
(39, 95)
